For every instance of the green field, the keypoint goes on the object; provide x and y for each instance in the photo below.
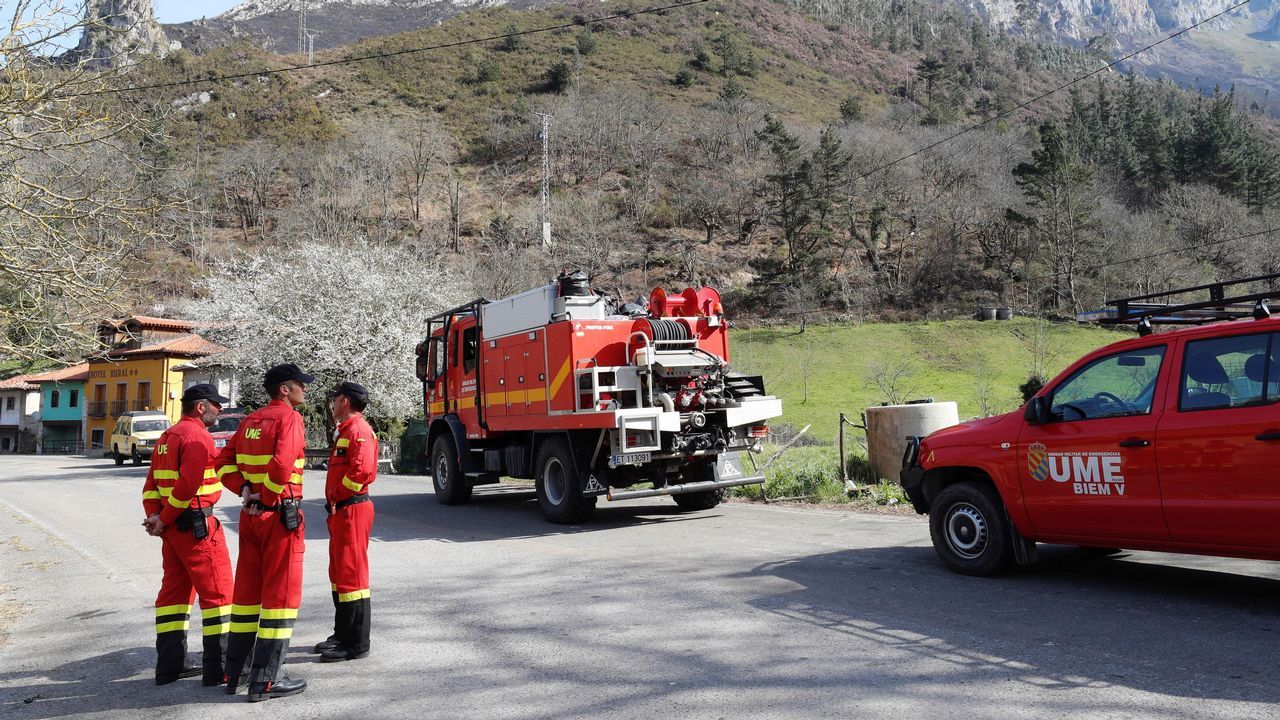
(830, 369)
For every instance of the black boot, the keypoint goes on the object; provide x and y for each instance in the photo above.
(171, 657)
(284, 687)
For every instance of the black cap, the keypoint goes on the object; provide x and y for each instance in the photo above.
(353, 390)
(204, 391)
(285, 373)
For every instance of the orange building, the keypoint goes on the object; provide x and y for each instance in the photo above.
(140, 372)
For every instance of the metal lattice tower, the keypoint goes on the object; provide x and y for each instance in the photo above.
(302, 25)
(311, 46)
(546, 178)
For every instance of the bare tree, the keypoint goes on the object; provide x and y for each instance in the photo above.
(893, 378)
(75, 205)
(428, 145)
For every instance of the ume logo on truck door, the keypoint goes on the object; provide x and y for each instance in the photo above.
(1089, 472)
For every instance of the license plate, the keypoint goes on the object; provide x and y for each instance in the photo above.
(639, 458)
(219, 443)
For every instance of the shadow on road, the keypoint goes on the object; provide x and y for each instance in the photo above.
(1074, 620)
(63, 691)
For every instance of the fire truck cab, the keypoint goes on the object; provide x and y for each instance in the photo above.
(1167, 441)
(587, 399)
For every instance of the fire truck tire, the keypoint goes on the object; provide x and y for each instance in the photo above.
(446, 475)
(559, 494)
(704, 500)
(969, 529)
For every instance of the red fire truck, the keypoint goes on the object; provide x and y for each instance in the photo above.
(589, 399)
(1167, 441)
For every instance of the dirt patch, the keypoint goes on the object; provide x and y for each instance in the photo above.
(11, 612)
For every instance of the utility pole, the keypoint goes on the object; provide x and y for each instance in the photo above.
(302, 24)
(546, 178)
(311, 46)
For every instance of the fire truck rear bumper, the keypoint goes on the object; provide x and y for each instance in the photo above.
(684, 488)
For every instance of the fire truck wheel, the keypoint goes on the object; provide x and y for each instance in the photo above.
(559, 494)
(451, 488)
(704, 500)
(969, 529)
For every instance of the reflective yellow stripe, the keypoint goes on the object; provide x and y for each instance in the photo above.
(210, 474)
(354, 595)
(466, 403)
(245, 609)
(436, 408)
(273, 487)
(296, 478)
(344, 442)
(206, 489)
(244, 627)
(165, 491)
(350, 485)
(537, 394)
(254, 477)
(279, 613)
(151, 495)
(215, 612)
(226, 469)
(300, 463)
(173, 626)
(219, 629)
(172, 610)
(275, 633)
(333, 587)
(164, 474)
(180, 504)
(252, 459)
(559, 379)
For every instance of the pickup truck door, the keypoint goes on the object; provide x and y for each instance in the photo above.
(1090, 471)
(1218, 446)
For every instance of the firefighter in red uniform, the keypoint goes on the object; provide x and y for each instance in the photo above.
(178, 498)
(353, 466)
(263, 463)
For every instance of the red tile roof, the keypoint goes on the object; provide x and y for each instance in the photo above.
(75, 373)
(148, 322)
(189, 345)
(18, 382)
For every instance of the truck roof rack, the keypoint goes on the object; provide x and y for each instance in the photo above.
(1227, 300)
(463, 309)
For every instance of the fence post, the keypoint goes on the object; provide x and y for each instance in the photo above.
(843, 473)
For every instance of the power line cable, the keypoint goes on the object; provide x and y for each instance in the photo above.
(1175, 251)
(396, 53)
(1060, 88)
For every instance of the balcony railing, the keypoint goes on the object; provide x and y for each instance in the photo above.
(97, 409)
(141, 404)
(118, 407)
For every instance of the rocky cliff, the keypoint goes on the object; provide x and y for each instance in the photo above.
(116, 30)
(1080, 20)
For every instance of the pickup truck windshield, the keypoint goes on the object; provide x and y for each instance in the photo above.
(1113, 386)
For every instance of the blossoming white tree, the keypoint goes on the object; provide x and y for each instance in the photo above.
(339, 310)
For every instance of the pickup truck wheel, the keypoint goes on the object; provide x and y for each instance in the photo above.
(137, 459)
(446, 476)
(115, 455)
(969, 529)
(559, 494)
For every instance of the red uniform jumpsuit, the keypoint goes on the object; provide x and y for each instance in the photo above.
(182, 488)
(353, 466)
(266, 454)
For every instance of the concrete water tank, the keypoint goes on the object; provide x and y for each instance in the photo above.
(888, 427)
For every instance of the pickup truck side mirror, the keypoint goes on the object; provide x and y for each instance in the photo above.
(1037, 410)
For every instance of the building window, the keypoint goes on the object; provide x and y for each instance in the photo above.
(95, 437)
(8, 403)
(75, 399)
(4, 445)
(53, 398)
(144, 396)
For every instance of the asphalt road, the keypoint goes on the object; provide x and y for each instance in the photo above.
(485, 611)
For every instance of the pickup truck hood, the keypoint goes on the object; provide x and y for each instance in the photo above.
(980, 430)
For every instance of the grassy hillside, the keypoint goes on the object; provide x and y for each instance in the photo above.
(830, 369)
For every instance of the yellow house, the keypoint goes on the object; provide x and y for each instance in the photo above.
(140, 372)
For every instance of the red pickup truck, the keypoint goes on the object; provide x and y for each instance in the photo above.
(1168, 441)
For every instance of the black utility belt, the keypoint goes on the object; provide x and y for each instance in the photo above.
(331, 508)
(289, 510)
(192, 520)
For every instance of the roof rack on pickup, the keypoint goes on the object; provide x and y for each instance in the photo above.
(1227, 300)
